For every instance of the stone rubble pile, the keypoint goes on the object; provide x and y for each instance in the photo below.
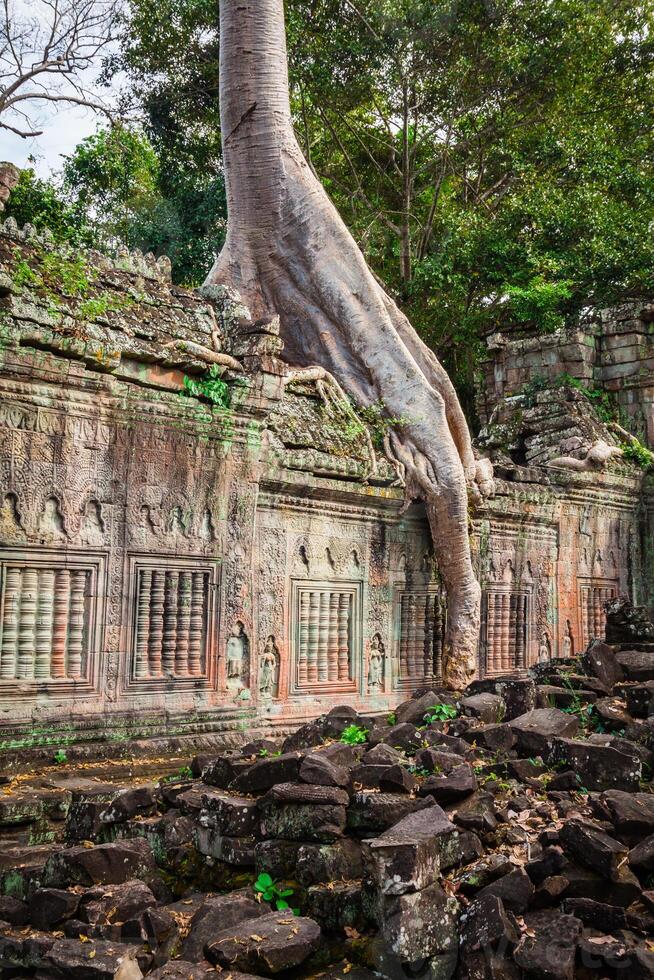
(507, 832)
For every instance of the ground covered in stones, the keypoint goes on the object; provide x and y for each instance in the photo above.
(507, 832)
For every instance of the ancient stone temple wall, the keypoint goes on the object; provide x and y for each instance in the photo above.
(171, 566)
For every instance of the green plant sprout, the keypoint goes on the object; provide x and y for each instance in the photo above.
(271, 891)
(60, 756)
(209, 386)
(440, 712)
(354, 735)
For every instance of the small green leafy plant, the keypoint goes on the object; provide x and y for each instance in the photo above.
(636, 453)
(354, 735)
(271, 891)
(209, 386)
(60, 756)
(392, 718)
(440, 712)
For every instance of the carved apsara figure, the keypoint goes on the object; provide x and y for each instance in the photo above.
(544, 648)
(376, 663)
(236, 652)
(268, 668)
(568, 640)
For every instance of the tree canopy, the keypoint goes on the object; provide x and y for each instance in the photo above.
(493, 158)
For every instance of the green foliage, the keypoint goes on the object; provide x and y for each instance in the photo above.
(60, 757)
(354, 735)
(210, 386)
(638, 454)
(183, 773)
(272, 891)
(392, 718)
(42, 204)
(440, 712)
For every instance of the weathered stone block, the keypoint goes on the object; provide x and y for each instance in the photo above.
(302, 821)
(406, 858)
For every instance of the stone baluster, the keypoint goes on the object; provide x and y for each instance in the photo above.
(76, 623)
(419, 656)
(505, 619)
(521, 633)
(492, 631)
(60, 622)
(169, 643)
(27, 624)
(334, 598)
(302, 664)
(404, 636)
(586, 619)
(183, 623)
(413, 638)
(75, 637)
(323, 637)
(312, 644)
(44, 622)
(196, 624)
(344, 666)
(141, 666)
(429, 668)
(10, 619)
(510, 663)
(438, 639)
(155, 636)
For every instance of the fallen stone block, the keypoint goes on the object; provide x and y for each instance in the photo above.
(477, 812)
(335, 906)
(593, 848)
(266, 773)
(70, 958)
(303, 821)
(414, 710)
(323, 863)
(397, 779)
(305, 793)
(238, 851)
(641, 857)
(598, 766)
(217, 914)
(419, 925)
(600, 660)
(49, 907)
(369, 811)
(115, 903)
(234, 816)
(548, 948)
(278, 858)
(495, 738)
(222, 772)
(536, 730)
(13, 911)
(317, 768)
(139, 801)
(456, 785)
(515, 889)
(104, 864)
(632, 814)
(267, 946)
(489, 708)
(637, 665)
(407, 857)
(485, 923)
(596, 915)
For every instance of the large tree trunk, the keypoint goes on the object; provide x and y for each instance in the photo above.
(288, 251)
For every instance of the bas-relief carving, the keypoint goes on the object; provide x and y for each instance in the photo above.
(376, 660)
(269, 669)
(237, 660)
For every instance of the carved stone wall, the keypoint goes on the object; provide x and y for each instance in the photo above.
(167, 566)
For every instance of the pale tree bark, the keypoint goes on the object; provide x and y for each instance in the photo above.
(288, 252)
